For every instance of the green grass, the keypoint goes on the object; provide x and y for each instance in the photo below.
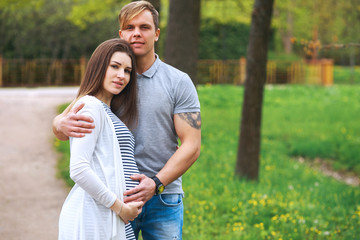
(280, 56)
(291, 200)
(64, 149)
(346, 75)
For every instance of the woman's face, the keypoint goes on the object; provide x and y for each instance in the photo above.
(117, 74)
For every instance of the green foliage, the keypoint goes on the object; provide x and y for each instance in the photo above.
(342, 56)
(333, 21)
(227, 11)
(291, 201)
(223, 40)
(85, 12)
(40, 29)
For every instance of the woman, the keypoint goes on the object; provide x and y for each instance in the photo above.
(94, 208)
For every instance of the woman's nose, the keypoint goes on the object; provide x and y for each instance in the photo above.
(120, 74)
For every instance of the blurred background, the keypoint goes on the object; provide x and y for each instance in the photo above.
(46, 43)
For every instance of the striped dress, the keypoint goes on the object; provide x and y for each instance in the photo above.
(127, 144)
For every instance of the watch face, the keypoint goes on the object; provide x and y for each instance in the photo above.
(161, 188)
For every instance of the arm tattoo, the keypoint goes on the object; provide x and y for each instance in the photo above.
(192, 118)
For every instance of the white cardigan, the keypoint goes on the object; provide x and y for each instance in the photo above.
(96, 168)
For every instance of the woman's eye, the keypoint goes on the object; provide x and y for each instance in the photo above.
(114, 66)
(127, 71)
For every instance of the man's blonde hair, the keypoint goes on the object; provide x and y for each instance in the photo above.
(133, 9)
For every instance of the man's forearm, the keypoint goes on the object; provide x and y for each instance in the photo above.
(179, 163)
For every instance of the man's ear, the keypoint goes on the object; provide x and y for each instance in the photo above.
(157, 34)
(120, 33)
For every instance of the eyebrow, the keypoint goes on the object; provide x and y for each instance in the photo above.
(141, 25)
(121, 64)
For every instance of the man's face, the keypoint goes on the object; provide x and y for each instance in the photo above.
(140, 32)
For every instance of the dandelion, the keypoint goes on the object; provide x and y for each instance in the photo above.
(343, 130)
(259, 225)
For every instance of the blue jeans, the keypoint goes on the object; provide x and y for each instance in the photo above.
(161, 218)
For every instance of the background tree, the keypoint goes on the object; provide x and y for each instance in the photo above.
(247, 164)
(182, 36)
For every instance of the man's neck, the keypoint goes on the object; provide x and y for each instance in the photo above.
(143, 63)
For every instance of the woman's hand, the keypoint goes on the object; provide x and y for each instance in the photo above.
(130, 211)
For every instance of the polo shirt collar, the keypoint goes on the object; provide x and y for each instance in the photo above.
(152, 70)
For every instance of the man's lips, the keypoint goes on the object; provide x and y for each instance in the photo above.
(137, 44)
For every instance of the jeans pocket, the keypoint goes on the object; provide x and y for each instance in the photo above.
(171, 200)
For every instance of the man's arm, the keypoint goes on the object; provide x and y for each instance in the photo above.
(70, 124)
(188, 129)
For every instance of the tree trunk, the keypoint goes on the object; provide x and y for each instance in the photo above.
(247, 165)
(287, 34)
(182, 36)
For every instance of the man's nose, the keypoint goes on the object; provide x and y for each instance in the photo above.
(137, 32)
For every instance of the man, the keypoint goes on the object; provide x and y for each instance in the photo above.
(168, 109)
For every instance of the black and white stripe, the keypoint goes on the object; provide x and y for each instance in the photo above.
(127, 144)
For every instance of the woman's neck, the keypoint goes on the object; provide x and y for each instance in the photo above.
(104, 98)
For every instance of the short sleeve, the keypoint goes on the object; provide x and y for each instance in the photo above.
(186, 97)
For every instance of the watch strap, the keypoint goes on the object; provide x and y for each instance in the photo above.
(158, 184)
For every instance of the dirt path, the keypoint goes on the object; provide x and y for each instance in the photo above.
(30, 194)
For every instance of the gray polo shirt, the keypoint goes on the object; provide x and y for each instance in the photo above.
(163, 92)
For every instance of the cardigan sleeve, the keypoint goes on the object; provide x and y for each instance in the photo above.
(81, 153)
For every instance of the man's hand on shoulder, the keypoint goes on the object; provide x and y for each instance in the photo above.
(71, 124)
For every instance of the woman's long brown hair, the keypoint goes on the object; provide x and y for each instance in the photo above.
(125, 103)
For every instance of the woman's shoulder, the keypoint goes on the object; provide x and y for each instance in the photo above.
(91, 102)
(87, 99)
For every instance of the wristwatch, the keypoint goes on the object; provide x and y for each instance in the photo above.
(159, 188)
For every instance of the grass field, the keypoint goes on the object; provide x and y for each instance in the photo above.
(291, 200)
(346, 75)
